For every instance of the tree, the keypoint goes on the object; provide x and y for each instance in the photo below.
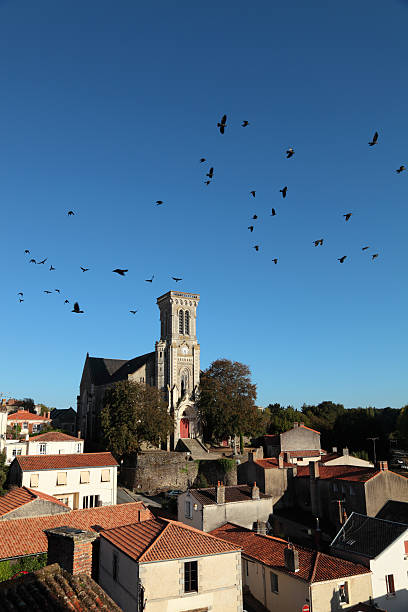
(27, 404)
(402, 425)
(280, 419)
(226, 403)
(134, 413)
(3, 472)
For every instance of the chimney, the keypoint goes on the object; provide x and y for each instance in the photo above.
(255, 492)
(314, 469)
(382, 466)
(291, 558)
(71, 548)
(287, 457)
(301, 424)
(79, 434)
(280, 460)
(295, 424)
(251, 456)
(48, 415)
(220, 493)
(345, 452)
(260, 527)
(334, 449)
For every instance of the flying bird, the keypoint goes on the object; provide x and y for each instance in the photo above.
(70, 213)
(202, 159)
(43, 261)
(290, 152)
(365, 248)
(341, 259)
(119, 271)
(253, 193)
(20, 300)
(57, 290)
(158, 202)
(26, 251)
(20, 293)
(275, 261)
(284, 191)
(47, 291)
(255, 217)
(52, 268)
(256, 247)
(149, 280)
(400, 169)
(32, 261)
(374, 140)
(84, 269)
(133, 311)
(210, 174)
(76, 309)
(207, 182)
(66, 302)
(176, 279)
(317, 242)
(223, 124)
(251, 228)
(245, 123)
(273, 213)
(374, 255)
(347, 216)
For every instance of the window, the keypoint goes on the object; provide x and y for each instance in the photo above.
(389, 581)
(43, 449)
(90, 501)
(35, 428)
(84, 477)
(274, 583)
(64, 500)
(343, 593)
(115, 567)
(79, 448)
(16, 451)
(105, 476)
(190, 577)
(188, 511)
(181, 322)
(61, 478)
(25, 425)
(34, 478)
(187, 322)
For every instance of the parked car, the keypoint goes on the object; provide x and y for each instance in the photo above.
(173, 493)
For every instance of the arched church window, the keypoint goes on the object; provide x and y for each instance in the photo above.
(181, 322)
(187, 322)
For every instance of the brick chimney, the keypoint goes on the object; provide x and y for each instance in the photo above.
(345, 452)
(220, 493)
(71, 548)
(314, 469)
(260, 527)
(255, 492)
(382, 466)
(291, 558)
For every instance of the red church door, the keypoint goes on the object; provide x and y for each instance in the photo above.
(184, 428)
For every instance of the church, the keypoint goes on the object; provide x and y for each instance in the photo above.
(174, 367)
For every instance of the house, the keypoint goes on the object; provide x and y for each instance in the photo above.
(335, 458)
(382, 546)
(273, 476)
(64, 418)
(81, 480)
(50, 443)
(22, 537)
(21, 502)
(28, 422)
(211, 507)
(162, 565)
(285, 578)
(302, 440)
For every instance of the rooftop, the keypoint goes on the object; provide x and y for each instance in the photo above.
(162, 539)
(19, 496)
(31, 463)
(236, 493)
(314, 566)
(272, 462)
(52, 588)
(351, 473)
(396, 511)
(54, 436)
(367, 536)
(35, 540)
(104, 371)
(25, 415)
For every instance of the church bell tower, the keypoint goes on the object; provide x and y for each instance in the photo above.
(178, 360)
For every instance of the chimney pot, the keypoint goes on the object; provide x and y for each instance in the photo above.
(255, 492)
(220, 493)
(260, 527)
(334, 449)
(345, 452)
(383, 466)
(280, 460)
(71, 548)
(295, 424)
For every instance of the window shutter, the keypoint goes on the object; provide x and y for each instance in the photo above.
(105, 477)
(34, 480)
(84, 477)
(61, 478)
(406, 547)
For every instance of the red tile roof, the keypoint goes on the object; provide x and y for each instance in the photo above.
(28, 463)
(162, 539)
(234, 493)
(309, 428)
(314, 566)
(25, 415)
(19, 496)
(55, 436)
(352, 473)
(272, 462)
(25, 536)
(305, 453)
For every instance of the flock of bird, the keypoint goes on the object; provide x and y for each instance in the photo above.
(221, 125)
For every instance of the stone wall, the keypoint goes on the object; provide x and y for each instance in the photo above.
(155, 471)
(221, 470)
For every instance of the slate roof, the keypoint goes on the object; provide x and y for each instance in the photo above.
(106, 371)
(25, 415)
(236, 493)
(54, 436)
(52, 589)
(394, 511)
(351, 473)
(314, 566)
(29, 463)
(19, 496)
(161, 539)
(367, 536)
(12, 544)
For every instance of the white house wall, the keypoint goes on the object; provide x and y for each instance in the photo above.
(392, 560)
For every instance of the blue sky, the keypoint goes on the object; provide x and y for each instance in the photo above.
(106, 107)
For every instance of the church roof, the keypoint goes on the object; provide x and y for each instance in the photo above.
(105, 371)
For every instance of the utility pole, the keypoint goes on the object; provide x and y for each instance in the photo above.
(375, 456)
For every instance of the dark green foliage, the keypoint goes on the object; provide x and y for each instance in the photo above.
(279, 419)
(227, 465)
(3, 472)
(25, 564)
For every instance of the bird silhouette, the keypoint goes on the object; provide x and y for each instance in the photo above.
(275, 261)
(20, 300)
(26, 251)
(159, 202)
(52, 268)
(149, 280)
(84, 269)
(222, 124)
(210, 174)
(400, 169)
(255, 216)
(317, 242)
(57, 290)
(273, 213)
(120, 271)
(374, 255)
(290, 152)
(32, 261)
(251, 228)
(365, 248)
(43, 261)
(66, 302)
(176, 279)
(341, 259)
(76, 309)
(207, 182)
(202, 159)
(245, 123)
(284, 191)
(374, 140)
(70, 213)
(47, 291)
(256, 247)
(253, 193)
(20, 293)
(347, 216)
(133, 311)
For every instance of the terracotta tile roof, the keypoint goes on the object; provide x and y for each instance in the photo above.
(28, 463)
(25, 415)
(329, 457)
(55, 436)
(314, 566)
(12, 544)
(272, 462)
(236, 493)
(161, 539)
(19, 496)
(52, 588)
(272, 438)
(309, 428)
(305, 453)
(351, 473)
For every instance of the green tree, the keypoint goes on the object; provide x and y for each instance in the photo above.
(134, 413)
(3, 472)
(279, 419)
(28, 404)
(402, 425)
(226, 403)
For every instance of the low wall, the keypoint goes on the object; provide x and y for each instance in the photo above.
(155, 471)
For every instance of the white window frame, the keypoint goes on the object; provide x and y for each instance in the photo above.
(42, 449)
(343, 593)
